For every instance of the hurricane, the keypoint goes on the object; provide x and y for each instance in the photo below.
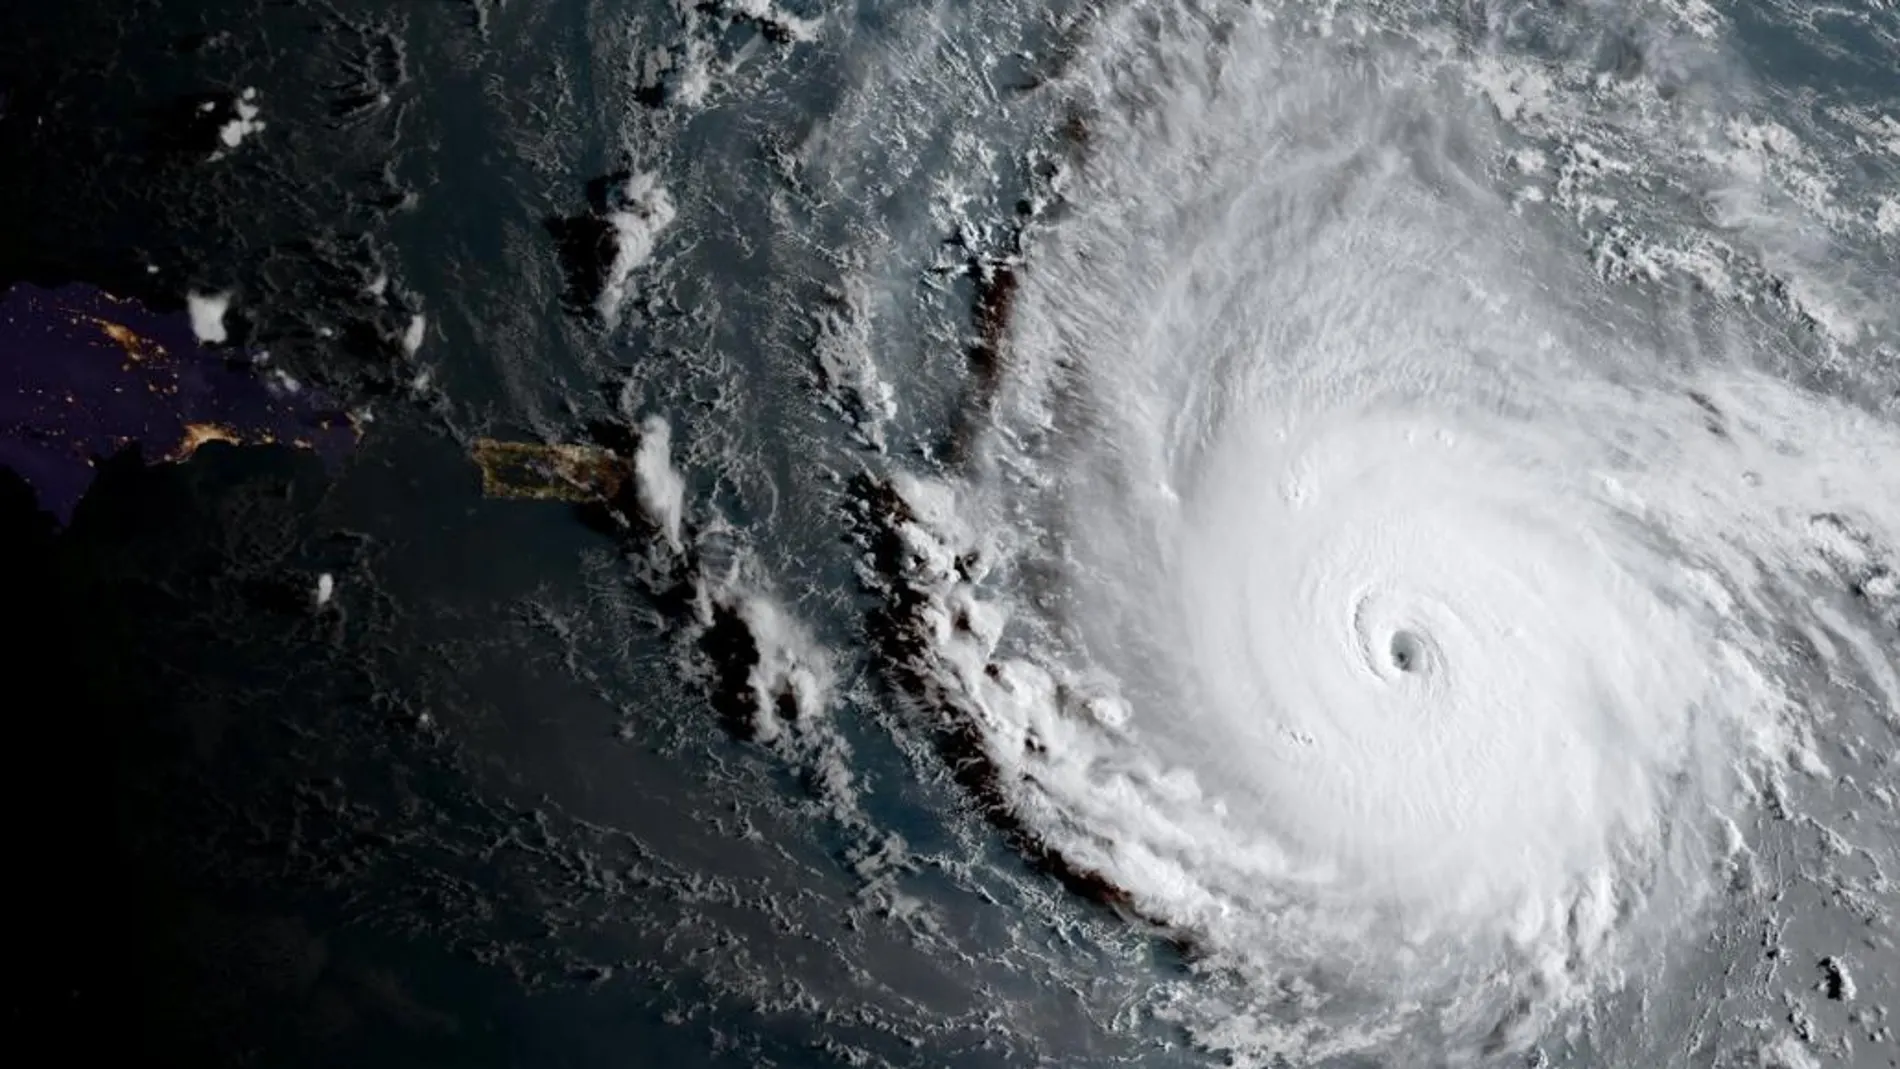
(1353, 584)
(956, 534)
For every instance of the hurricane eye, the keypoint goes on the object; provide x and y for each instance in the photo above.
(1408, 652)
(1405, 651)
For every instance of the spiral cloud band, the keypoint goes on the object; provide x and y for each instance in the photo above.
(1374, 599)
(1445, 684)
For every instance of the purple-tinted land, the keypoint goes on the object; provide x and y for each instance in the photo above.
(84, 374)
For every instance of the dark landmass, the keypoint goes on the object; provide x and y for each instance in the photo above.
(85, 375)
(534, 471)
